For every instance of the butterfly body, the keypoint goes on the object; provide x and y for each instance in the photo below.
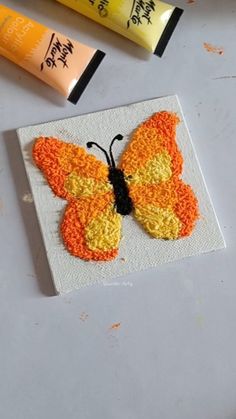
(146, 183)
(123, 202)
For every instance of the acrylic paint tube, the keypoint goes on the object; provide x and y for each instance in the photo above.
(149, 23)
(61, 62)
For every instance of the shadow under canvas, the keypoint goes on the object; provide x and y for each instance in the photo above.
(29, 216)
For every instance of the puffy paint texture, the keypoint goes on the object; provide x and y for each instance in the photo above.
(151, 166)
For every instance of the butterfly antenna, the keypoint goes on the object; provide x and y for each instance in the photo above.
(118, 137)
(90, 144)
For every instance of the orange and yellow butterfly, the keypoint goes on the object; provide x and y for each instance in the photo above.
(146, 182)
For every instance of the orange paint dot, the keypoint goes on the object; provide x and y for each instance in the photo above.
(115, 326)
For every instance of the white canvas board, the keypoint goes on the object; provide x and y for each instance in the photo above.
(137, 251)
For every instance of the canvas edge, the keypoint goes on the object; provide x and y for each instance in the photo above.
(202, 174)
(95, 112)
(57, 288)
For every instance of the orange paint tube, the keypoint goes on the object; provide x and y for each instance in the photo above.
(61, 62)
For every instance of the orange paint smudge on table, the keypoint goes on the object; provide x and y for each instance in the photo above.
(190, 1)
(115, 326)
(211, 48)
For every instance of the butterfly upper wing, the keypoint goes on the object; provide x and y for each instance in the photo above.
(165, 206)
(91, 227)
(153, 145)
(70, 171)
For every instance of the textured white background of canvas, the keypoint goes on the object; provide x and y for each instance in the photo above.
(137, 250)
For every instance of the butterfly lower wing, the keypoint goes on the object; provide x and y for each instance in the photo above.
(168, 210)
(165, 206)
(69, 170)
(91, 228)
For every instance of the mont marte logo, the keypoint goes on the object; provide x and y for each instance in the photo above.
(141, 12)
(57, 53)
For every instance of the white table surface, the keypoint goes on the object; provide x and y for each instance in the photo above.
(174, 354)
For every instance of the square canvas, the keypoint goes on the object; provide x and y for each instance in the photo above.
(137, 249)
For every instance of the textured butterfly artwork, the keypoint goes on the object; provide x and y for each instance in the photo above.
(146, 183)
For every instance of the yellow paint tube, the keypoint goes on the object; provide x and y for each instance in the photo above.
(149, 23)
(61, 62)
